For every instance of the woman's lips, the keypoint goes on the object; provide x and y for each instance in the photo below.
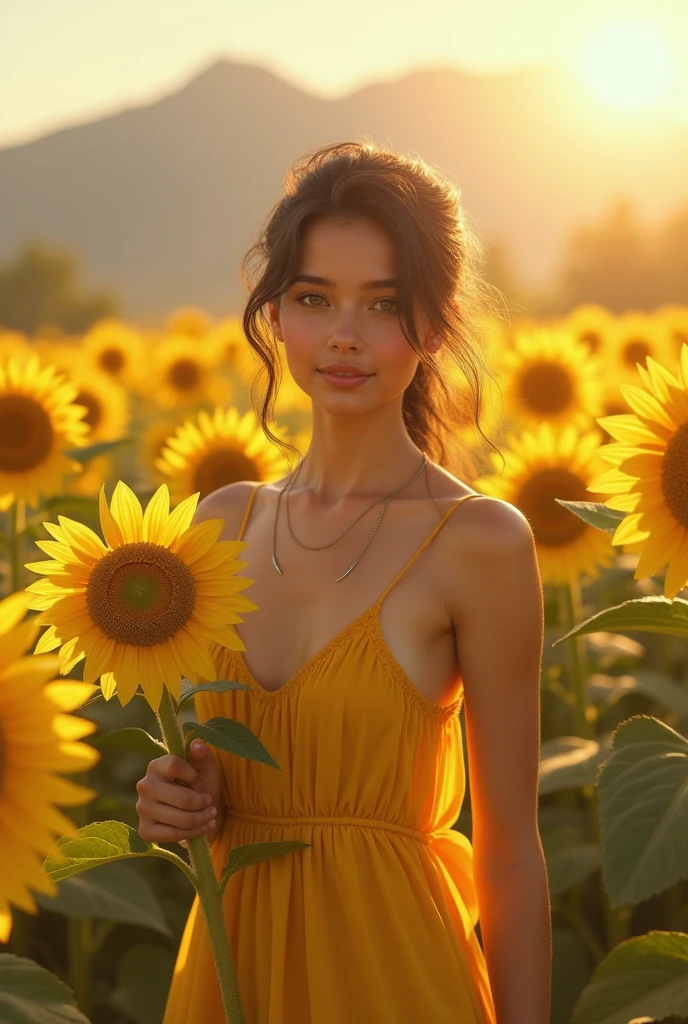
(340, 381)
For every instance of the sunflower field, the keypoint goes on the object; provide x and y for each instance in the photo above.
(107, 443)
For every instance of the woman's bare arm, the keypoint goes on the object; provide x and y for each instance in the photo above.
(499, 626)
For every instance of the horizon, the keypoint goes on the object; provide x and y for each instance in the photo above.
(109, 61)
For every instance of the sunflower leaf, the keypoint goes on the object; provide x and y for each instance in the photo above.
(102, 842)
(74, 506)
(253, 853)
(651, 614)
(594, 513)
(189, 689)
(132, 740)
(29, 994)
(92, 451)
(231, 736)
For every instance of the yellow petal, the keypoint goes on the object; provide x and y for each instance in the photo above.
(126, 508)
(13, 609)
(155, 516)
(108, 524)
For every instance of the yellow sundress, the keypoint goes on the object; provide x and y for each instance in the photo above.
(373, 923)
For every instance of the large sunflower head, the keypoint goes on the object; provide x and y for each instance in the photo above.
(541, 466)
(39, 422)
(650, 475)
(549, 376)
(144, 607)
(590, 324)
(38, 739)
(219, 450)
(183, 372)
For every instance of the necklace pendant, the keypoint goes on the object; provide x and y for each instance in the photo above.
(347, 572)
(274, 562)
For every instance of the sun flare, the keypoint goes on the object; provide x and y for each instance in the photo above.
(627, 62)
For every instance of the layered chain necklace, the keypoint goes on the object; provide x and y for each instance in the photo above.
(320, 547)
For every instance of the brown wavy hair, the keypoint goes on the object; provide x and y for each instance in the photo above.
(439, 260)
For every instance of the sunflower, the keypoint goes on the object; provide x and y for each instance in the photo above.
(189, 321)
(218, 450)
(650, 474)
(183, 373)
(14, 343)
(543, 465)
(635, 337)
(144, 609)
(116, 350)
(675, 320)
(93, 474)
(229, 345)
(153, 439)
(37, 740)
(38, 422)
(549, 376)
(591, 324)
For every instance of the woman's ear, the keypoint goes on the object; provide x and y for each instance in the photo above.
(434, 343)
(273, 314)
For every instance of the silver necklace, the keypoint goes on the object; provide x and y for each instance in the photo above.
(375, 528)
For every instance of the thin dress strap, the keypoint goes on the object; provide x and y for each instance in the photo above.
(247, 511)
(425, 543)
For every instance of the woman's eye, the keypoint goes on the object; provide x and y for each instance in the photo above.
(393, 302)
(307, 295)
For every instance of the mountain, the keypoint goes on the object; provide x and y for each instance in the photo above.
(161, 201)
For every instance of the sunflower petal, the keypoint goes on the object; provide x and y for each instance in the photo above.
(126, 508)
(156, 514)
(108, 524)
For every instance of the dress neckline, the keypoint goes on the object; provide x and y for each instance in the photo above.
(369, 619)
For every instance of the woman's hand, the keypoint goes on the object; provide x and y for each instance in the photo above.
(174, 812)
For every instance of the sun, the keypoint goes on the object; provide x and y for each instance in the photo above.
(627, 62)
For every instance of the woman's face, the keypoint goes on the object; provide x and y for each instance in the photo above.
(342, 308)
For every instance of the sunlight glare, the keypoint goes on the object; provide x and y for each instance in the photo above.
(627, 62)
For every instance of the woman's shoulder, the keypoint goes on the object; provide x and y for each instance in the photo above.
(229, 503)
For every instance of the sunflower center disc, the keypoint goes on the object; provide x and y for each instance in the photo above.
(223, 466)
(112, 360)
(553, 525)
(184, 375)
(140, 594)
(546, 389)
(675, 475)
(26, 433)
(95, 409)
(636, 350)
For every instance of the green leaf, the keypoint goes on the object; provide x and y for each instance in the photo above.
(657, 686)
(115, 892)
(652, 614)
(644, 978)
(73, 506)
(233, 737)
(31, 995)
(570, 762)
(144, 974)
(84, 455)
(594, 513)
(102, 842)
(131, 740)
(242, 856)
(643, 810)
(189, 689)
(570, 858)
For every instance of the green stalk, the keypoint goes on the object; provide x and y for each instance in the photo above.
(207, 884)
(80, 940)
(17, 524)
(617, 919)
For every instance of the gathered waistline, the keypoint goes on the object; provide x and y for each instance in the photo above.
(388, 826)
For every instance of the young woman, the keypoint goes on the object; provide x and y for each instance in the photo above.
(390, 596)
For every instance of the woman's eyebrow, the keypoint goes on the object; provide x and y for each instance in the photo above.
(384, 282)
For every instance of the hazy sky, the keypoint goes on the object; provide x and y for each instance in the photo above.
(65, 61)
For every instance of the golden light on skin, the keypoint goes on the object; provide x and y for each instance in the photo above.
(38, 740)
(144, 607)
(627, 62)
(541, 465)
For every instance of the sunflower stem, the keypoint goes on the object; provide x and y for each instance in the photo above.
(206, 881)
(616, 919)
(17, 524)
